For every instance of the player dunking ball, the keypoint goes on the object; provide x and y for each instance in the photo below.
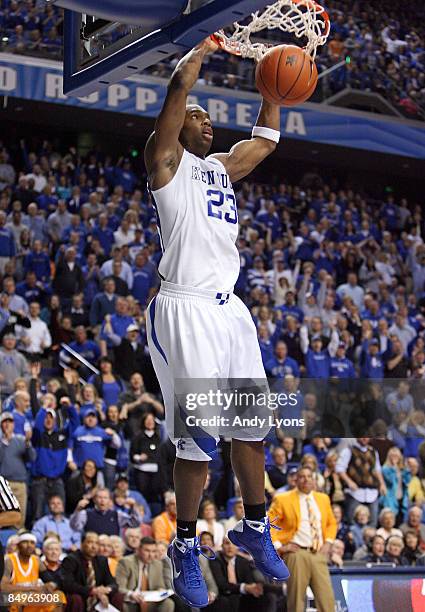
(197, 327)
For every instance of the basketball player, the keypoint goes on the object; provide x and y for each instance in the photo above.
(197, 327)
(22, 575)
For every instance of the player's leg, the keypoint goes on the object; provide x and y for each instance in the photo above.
(248, 465)
(189, 482)
(253, 532)
(175, 346)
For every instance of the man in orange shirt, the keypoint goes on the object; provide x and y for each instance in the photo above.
(308, 528)
(22, 575)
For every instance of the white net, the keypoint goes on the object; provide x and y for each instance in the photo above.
(302, 18)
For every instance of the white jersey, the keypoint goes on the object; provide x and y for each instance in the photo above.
(198, 224)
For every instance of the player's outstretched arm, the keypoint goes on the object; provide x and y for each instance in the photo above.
(163, 150)
(244, 156)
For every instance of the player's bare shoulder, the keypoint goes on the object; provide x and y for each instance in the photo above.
(161, 163)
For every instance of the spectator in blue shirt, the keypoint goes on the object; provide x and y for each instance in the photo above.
(145, 278)
(84, 347)
(115, 326)
(7, 243)
(125, 176)
(318, 361)
(46, 201)
(32, 290)
(372, 360)
(35, 223)
(104, 234)
(138, 244)
(38, 261)
(103, 303)
(78, 227)
(289, 308)
(340, 365)
(269, 220)
(57, 522)
(22, 414)
(89, 441)
(51, 436)
(400, 400)
(281, 365)
(319, 447)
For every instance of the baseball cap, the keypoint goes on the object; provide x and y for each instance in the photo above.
(152, 220)
(374, 342)
(316, 337)
(132, 328)
(89, 412)
(292, 471)
(6, 416)
(341, 345)
(51, 411)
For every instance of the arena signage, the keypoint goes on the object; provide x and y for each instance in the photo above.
(37, 79)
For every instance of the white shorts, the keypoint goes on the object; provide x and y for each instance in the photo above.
(199, 334)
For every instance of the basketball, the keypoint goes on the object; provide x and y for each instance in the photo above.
(286, 75)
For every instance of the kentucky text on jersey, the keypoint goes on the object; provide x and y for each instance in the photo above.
(198, 226)
(207, 176)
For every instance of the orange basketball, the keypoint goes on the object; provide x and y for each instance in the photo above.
(286, 75)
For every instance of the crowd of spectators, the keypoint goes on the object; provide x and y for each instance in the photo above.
(385, 41)
(32, 27)
(335, 281)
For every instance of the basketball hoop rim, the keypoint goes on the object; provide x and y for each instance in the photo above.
(232, 46)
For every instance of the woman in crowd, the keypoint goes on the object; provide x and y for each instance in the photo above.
(107, 384)
(416, 487)
(144, 454)
(52, 557)
(333, 485)
(208, 522)
(377, 553)
(397, 479)
(83, 484)
(117, 553)
(387, 521)
(361, 520)
(411, 551)
(207, 539)
(90, 399)
(343, 532)
(393, 550)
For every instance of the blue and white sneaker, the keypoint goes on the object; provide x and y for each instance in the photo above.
(254, 537)
(188, 581)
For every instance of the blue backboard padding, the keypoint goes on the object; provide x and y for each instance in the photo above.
(178, 36)
(149, 13)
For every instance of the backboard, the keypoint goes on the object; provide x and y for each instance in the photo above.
(105, 45)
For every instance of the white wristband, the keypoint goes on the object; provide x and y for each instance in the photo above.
(266, 132)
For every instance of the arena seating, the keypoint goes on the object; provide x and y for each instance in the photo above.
(315, 261)
(383, 41)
